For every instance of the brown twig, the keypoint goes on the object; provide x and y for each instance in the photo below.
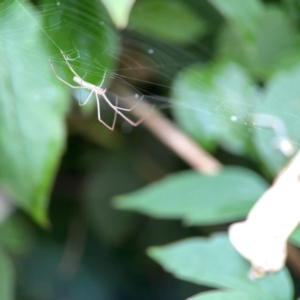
(170, 134)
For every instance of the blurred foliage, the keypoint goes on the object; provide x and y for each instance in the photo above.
(195, 199)
(184, 258)
(168, 23)
(213, 65)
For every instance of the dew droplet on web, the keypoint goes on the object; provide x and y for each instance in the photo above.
(57, 3)
(101, 23)
(136, 95)
(233, 118)
(150, 51)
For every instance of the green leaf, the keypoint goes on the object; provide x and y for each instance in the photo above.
(293, 9)
(213, 104)
(198, 199)
(7, 285)
(171, 21)
(32, 111)
(222, 295)
(214, 262)
(119, 11)
(272, 46)
(281, 101)
(243, 15)
(15, 234)
(85, 33)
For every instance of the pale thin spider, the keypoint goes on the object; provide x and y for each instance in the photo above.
(99, 91)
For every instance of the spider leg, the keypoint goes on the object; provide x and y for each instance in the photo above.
(87, 99)
(62, 80)
(102, 79)
(99, 115)
(81, 81)
(67, 62)
(115, 108)
(130, 109)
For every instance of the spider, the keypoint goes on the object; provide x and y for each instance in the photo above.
(98, 91)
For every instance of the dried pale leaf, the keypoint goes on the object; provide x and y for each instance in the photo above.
(262, 238)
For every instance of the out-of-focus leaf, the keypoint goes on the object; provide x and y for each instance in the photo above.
(293, 8)
(271, 157)
(198, 199)
(32, 111)
(270, 48)
(86, 35)
(243, 15)
(7, 284)
(214, 262)
(222, 295)
(213, 104)
(15, 235)
(6, 207)
(281, 100)
(119, 11)
(172, 21)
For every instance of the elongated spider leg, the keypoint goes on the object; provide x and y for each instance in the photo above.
(82, 79)
(115, 116)
(99, 115)
(80, 91)
(139, 121)
(130, 109)
(67, 62)
(87, 99)
(62, 80)
(102, 79)
(120, 113)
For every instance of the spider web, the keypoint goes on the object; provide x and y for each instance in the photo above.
(146, 66)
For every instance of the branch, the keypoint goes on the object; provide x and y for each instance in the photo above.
(170, 134)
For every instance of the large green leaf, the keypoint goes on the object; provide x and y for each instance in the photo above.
(216, 106)
(273, 44)
(213, 104)
(243, 15)
(198, 199)
(16, 236)
(32, 111)
(214, 262)
(281, 101)
(171, 21)
(222, 295)
(85, 33)
(7, 285)
(293, 9)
